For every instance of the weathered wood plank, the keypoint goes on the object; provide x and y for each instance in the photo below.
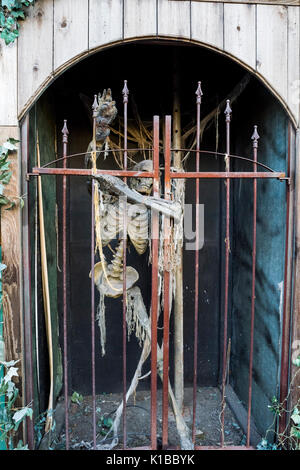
(11, 256)
(207, 23)
(70, 29)
(271, 56)
(293, 97)
(8, 80)
(174, 18)
(257, 2)
(139, 18)
(35, 51)
(239, 32)
(106, 22)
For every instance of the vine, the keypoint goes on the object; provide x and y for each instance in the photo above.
(6, 173)
(289, 439)
(11, 12)
(11, 416)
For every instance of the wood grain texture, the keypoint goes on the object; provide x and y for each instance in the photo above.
(139, 18)
(11, 256)
(207, 23)
(174, 18)
(272, 30)
(239, 32)
(257, 2)
(293, 85)
(8, 81)
(202, 21)
(106, 22)
(35, 50)
(70, 29)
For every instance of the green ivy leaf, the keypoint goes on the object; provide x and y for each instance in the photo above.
(10, 390)
(12, 372)
(12, 204)
(5, 177)
(12, 140)
(21, 414)
(76, 398)
(9, 4)
(9, 36)
(4, 200)
(4, 153)
(296, 416)
(295, 431)
(10, 21)
(18, 14)
(296, 362)
(5, 166)
(10, 363)
(2, 19)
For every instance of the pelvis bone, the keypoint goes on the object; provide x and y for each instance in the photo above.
(109, 279)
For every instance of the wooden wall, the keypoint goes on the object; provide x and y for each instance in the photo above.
(58, 32)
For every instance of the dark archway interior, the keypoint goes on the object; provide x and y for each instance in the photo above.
(149, 69)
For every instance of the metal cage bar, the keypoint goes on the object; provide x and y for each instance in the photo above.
(255, 138)
(65, 133)
(154, 287)
(196, 300)
(166, 319)
(226, 281)
(168, 176)
(125, 92)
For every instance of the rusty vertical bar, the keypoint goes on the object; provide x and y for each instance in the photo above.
(27, 305)
(94, 155)
(228, 112)
(196, 306)
(166, 318)
(65, 133)
(125, 93)
(286, 311)
(93, 314)
(154, 288)
(255, 138)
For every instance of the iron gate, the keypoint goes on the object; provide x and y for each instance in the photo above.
(260, 171)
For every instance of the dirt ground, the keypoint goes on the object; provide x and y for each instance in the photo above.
(138, 420)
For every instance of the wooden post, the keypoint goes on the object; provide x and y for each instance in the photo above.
(11, 254)
(11, 344)
(296, 307)
(178, 301)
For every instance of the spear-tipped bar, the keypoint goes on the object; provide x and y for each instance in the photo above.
(255, 137)
(65, 132)
(198, 93)
(228, 111)
(95, 106)
(125, 92)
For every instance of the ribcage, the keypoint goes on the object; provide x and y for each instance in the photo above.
(111, 215)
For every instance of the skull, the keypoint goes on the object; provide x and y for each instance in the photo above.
(142, 185)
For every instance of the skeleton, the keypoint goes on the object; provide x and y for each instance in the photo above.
(108, 278)
(111, 216)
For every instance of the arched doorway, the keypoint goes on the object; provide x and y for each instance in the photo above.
(150, 71)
